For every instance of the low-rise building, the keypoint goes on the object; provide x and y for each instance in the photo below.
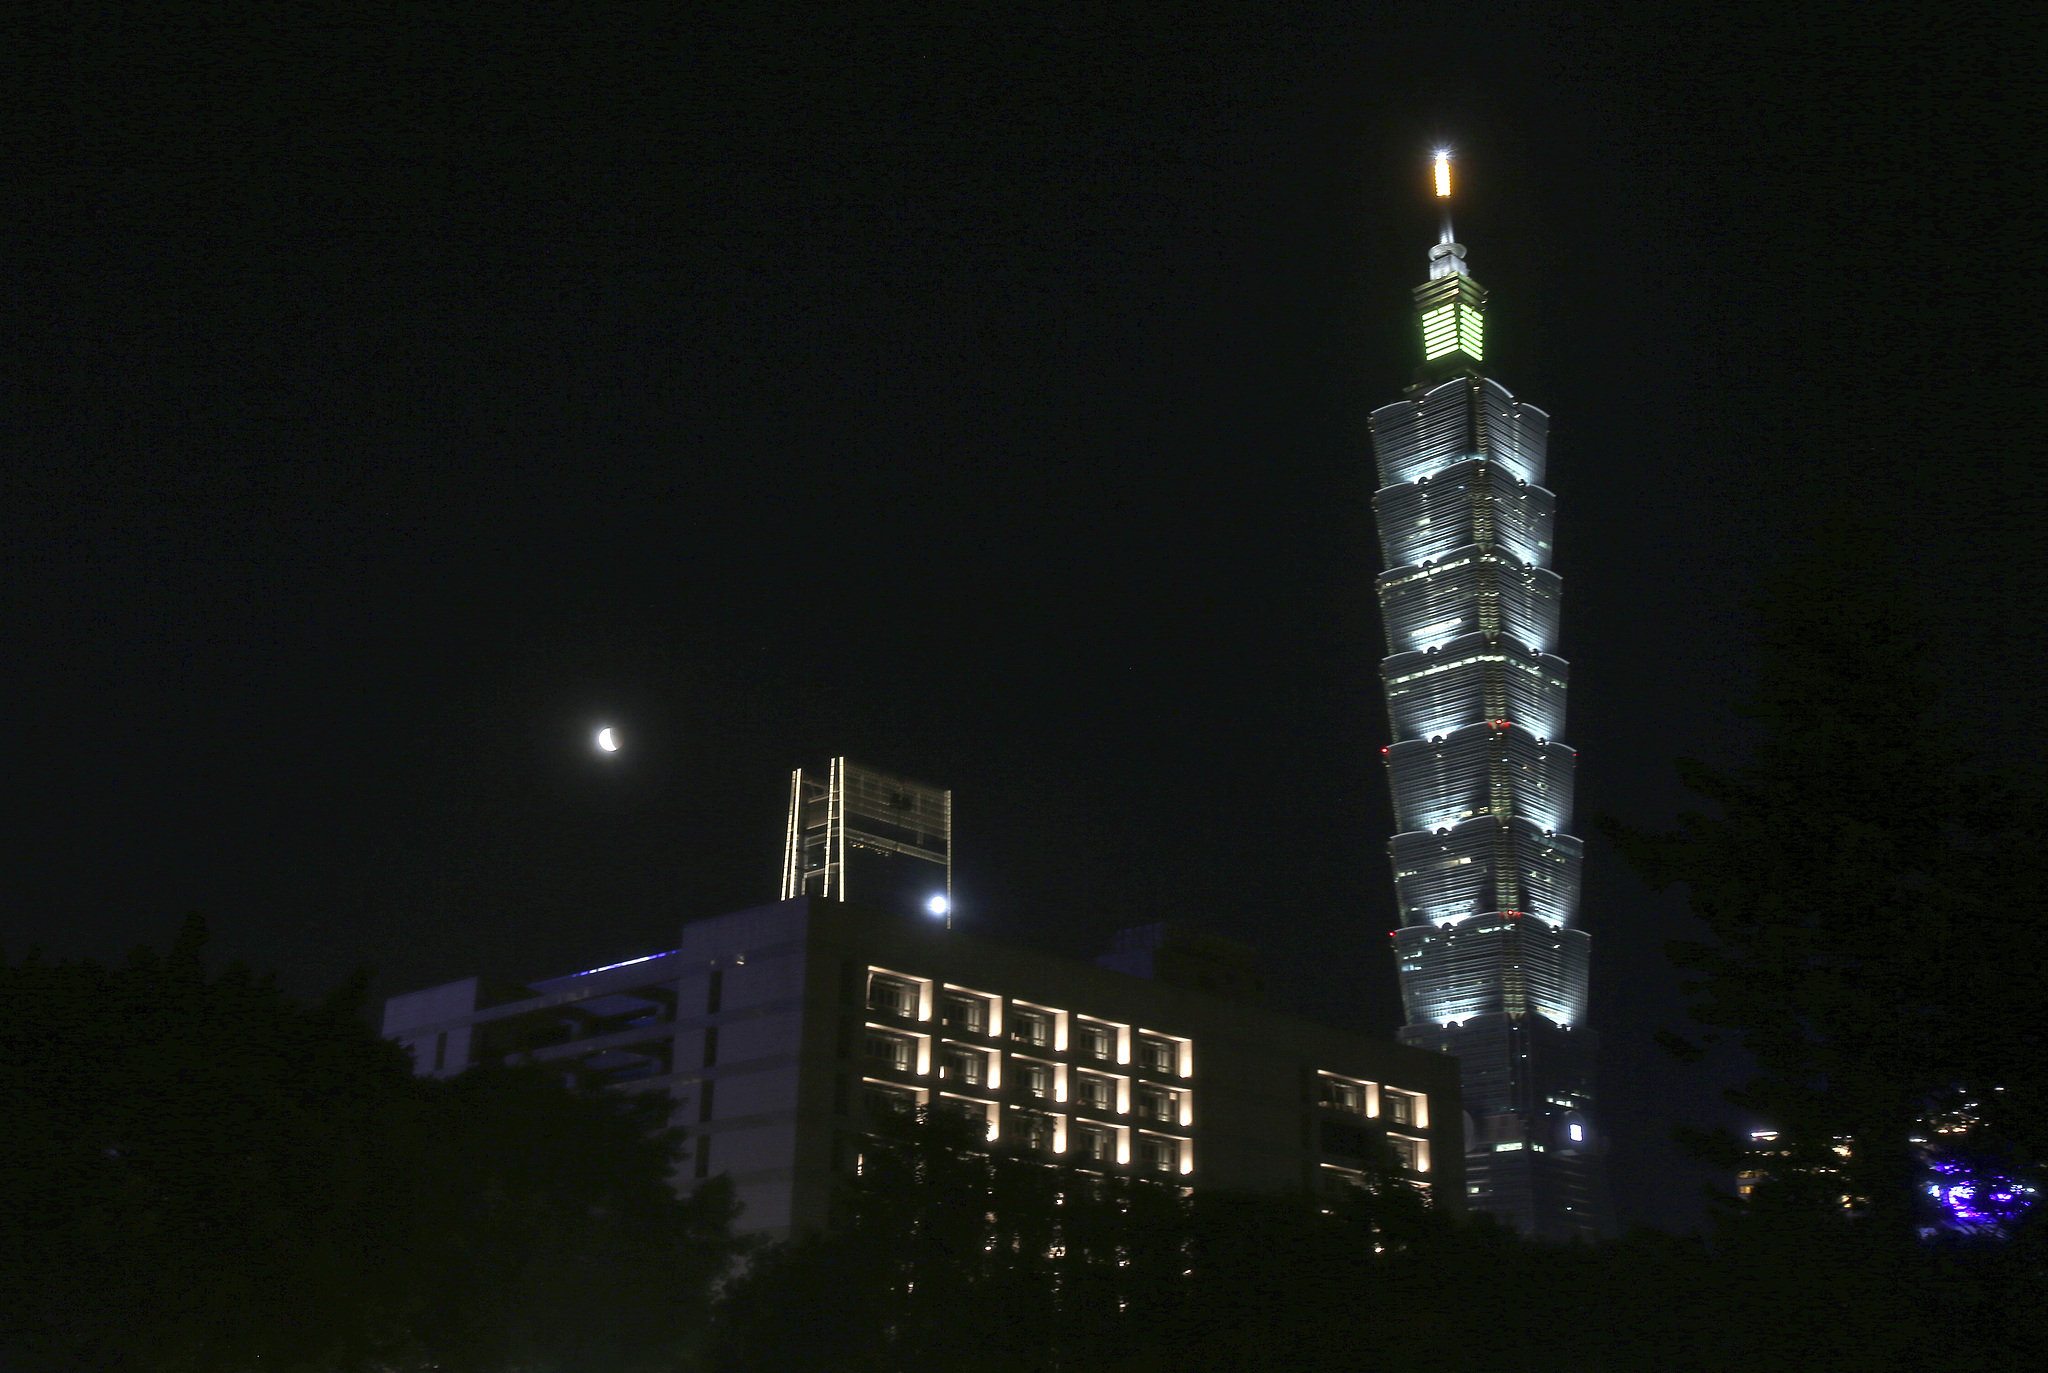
(780, 1031)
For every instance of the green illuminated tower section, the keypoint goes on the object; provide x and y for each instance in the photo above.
(1453, 313)
(1493, 966)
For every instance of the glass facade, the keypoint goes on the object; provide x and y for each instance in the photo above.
(1493, 968)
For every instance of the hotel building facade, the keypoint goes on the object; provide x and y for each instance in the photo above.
(781, 1032)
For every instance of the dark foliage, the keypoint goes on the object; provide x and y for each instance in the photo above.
(949, 1259)
(944, 1248)
(201, 1175)
(1871, 896)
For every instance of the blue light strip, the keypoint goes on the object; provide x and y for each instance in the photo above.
(627, 964)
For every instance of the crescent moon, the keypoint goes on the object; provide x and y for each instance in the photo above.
(605, 740)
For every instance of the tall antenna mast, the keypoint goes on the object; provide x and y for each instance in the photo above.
(1443, 192)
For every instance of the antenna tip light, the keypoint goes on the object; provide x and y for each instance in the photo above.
(1443, 172)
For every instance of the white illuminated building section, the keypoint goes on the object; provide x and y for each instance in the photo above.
(1099, 1092)
(1475, 690)
(1486, 874)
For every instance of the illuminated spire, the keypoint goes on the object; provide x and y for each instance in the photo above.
(1447, 258)
(1450, 306)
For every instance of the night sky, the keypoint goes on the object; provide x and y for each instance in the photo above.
(397, 396)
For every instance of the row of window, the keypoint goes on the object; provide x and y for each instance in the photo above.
(1372, 1100)
(981, 1014)
(1092, 1141)
(1041, 1132)
(970, 1066)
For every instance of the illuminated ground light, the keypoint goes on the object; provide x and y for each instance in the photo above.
(1974, 1201)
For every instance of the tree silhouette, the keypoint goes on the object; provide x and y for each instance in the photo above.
(1871, 895)
(200, 1174)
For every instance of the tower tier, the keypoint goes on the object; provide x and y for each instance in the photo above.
(1485, 864)
(1484, 769)
(1468, 416)
(1473, 589)
(1474, 679)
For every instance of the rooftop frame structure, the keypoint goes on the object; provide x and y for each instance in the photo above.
(862, 834)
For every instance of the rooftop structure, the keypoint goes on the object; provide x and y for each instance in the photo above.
(858, 834)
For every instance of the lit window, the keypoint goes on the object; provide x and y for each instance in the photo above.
(1096, 1041)
(963, 1066)
(1031, 1027)
(889, 1051)
(1158, 1155)
(1033, 1080)
(1032, 1131)
(1156, 1055)
(891, 995)
(964, 1014)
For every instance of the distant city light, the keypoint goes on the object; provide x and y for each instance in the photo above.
(1976, 1199)
(938, 905)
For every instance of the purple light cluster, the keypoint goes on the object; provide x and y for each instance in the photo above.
(1977, 1202)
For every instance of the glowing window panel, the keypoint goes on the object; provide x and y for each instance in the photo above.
(1439, 331)
(1471, 330)
(1452, 327)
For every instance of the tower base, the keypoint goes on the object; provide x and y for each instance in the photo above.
(1534, 1155)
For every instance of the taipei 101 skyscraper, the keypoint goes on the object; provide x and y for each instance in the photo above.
(1486, 875)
